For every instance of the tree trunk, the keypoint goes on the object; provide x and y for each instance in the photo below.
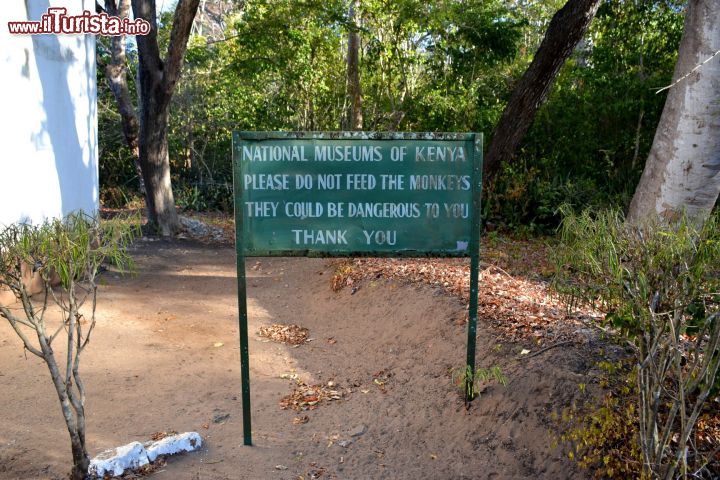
(72, 415)
(566, 29)
(157, 80)
(116, 73)
(155, 164)
(355, 116)
(81, 461)
(682, 171)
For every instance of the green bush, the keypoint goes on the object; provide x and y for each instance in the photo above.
(604, 433)
(525, 198)
(658, 284)
(203, 197)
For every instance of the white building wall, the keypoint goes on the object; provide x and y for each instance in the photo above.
(48, 117)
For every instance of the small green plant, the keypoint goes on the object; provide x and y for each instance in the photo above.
(492, 238)
(64, 257)
(204, 197)
(190, 198)
(469, 383)
(603, 434)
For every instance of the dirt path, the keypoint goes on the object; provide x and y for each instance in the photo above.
(156, 364)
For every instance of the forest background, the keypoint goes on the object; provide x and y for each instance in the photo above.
(434, 65)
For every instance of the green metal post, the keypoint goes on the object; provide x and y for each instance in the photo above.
(244, 355)
(242, 307)
(474, 264)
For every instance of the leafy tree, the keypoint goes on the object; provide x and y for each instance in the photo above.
(436, 65)
(115, 72)
(564, 32)
(355, 116)
(146, 132)
(279, 68)
(587, 142)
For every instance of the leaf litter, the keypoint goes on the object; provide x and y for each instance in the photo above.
(521, 305)
(290, 334)
(309, 397)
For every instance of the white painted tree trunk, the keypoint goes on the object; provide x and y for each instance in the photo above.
(682, 172)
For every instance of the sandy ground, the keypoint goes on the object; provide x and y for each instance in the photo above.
(155, 365)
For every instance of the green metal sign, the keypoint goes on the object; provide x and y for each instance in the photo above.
(342, 194)
(355, 194)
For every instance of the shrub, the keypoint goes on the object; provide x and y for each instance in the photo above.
(658, 284)
(202, 197)
(65, 255)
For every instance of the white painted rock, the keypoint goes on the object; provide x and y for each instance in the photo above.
(182, 442)
(115, 461)
(134, 455)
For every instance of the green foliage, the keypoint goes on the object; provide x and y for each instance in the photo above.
(190, 198)
(203, 197)
(71, 249)
(589, 142)
(658, 284)
(525, 198)
(604, 435)
(118, 179)
(470, 384)
(434, 65)
(638, 270)
(281, 66)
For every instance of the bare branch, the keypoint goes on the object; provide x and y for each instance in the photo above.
(59, 329)
(7, 313)
(45, 304)
(92, 321)
(695, 69)
(70, 335)
(14, 321)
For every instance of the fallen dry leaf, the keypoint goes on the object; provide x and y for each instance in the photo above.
(309, 397)
(289, 334)
(160, 435)
(300, 420)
